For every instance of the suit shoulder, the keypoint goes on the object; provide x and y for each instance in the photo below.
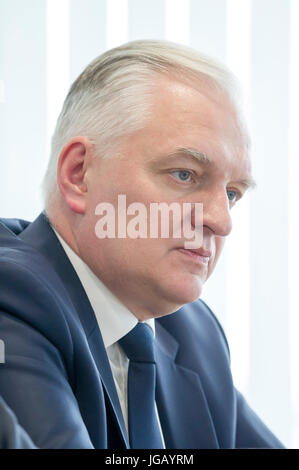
(31, 292)
(24, 270)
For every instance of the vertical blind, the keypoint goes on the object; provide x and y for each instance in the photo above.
(44, 45)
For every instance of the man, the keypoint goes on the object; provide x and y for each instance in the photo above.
(155, 123)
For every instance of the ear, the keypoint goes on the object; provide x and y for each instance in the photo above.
(73, 163)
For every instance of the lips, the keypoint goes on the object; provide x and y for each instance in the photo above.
(200, 255)
(200, 251)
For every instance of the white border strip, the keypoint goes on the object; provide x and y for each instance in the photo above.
(2, 91)
(117, 23)
(238, 27)
(58, 59)
(177, 27)
(238, 245)
(293, 215)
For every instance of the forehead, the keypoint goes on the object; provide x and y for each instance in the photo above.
(204, 120)
(202, 106)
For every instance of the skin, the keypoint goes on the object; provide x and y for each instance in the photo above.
(151, 276)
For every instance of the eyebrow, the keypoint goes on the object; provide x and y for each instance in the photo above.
(203, 159)
(249, 183)
(200, 157)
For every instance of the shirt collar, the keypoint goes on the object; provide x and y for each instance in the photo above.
(113, 318)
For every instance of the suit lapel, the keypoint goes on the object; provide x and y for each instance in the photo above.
(182, 405)
(41, 236)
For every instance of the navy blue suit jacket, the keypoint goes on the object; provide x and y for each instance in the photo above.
(12, 435)
(57, 377)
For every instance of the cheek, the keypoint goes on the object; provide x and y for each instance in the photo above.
(133, 254)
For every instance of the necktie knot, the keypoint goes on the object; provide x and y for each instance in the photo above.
(138, 344)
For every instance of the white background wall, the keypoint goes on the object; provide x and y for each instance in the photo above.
(44, 44)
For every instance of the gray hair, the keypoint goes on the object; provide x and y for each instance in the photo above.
(111, 97)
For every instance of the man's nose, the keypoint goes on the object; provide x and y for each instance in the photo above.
(216, 213)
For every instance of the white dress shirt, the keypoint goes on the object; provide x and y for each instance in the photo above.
(114, 321)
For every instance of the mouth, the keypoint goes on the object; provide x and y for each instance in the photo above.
(199, 256)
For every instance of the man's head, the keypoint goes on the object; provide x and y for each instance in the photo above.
(158, 123)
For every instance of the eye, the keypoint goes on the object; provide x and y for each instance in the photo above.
(183, 175)
(232, 195)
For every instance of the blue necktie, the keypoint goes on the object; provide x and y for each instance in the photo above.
(144, 432)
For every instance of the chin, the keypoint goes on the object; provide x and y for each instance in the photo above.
(185, 292)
